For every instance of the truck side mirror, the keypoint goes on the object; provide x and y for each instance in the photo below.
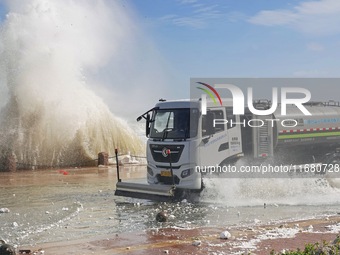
(147, 125)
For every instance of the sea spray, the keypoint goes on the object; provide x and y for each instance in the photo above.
(50, 115)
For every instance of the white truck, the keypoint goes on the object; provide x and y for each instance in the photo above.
(182, 142)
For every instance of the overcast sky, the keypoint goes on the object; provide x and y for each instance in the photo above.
(228, 38)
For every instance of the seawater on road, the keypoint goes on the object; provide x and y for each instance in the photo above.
(70, 204)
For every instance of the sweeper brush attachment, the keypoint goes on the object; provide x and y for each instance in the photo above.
(160, 193)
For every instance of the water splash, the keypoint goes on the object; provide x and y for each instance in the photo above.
(48, 51)
(272, 191)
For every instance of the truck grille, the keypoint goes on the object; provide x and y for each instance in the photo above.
(157, 151)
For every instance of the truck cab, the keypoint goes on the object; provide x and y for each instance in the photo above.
(181, 139)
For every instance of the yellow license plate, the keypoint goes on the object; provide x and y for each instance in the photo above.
(166, 173)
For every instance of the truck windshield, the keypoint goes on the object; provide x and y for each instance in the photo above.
(174, 123)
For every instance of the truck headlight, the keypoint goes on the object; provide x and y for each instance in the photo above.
(186, 172)
(150, 172)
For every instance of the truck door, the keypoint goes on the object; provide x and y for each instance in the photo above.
(234, 132)
(214, 147)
